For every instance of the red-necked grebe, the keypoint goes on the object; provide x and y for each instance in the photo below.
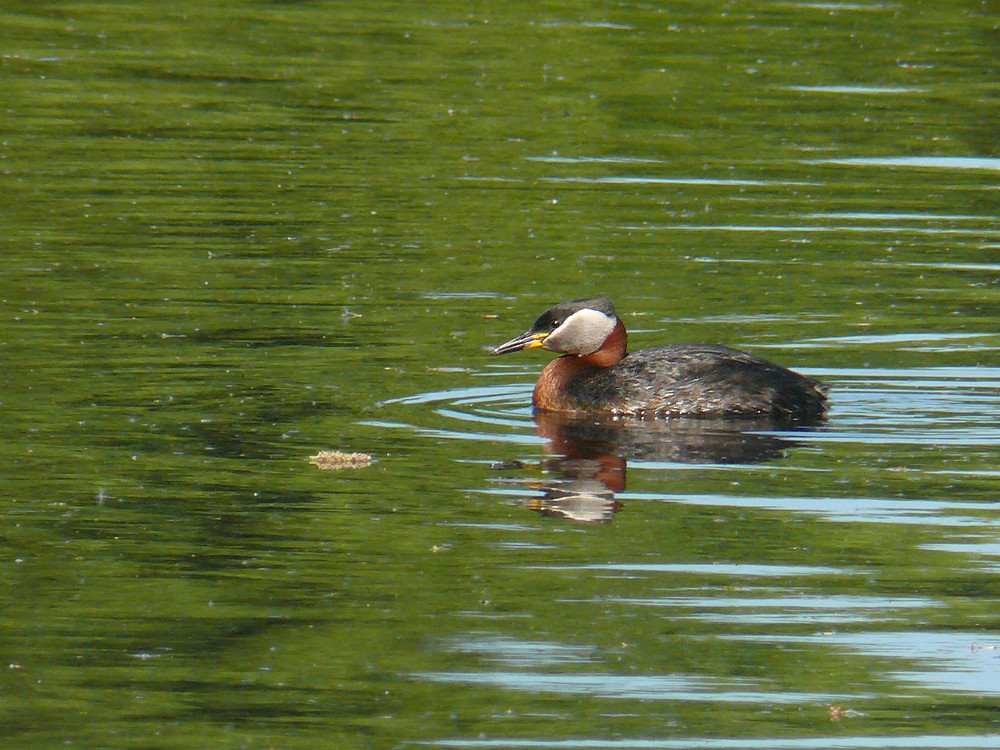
(596, 374)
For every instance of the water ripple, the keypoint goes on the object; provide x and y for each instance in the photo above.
(839, 742)
(921, 162)
(672, 687)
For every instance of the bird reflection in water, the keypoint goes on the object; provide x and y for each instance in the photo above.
(590, 456)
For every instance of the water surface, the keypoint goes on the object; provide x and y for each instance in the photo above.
(236, 236)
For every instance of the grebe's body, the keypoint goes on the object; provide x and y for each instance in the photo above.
(596, 374)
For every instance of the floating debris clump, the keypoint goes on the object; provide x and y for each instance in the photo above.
(334, 460)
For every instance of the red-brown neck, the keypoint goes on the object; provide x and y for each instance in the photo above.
(611, 351)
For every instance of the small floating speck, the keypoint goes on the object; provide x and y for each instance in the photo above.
(837, 713)
(335, 460)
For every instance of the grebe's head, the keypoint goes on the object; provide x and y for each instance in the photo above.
(578, 327)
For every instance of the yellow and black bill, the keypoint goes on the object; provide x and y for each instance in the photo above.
(527, 340)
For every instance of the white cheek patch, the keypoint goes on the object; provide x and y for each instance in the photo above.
(583, 332)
